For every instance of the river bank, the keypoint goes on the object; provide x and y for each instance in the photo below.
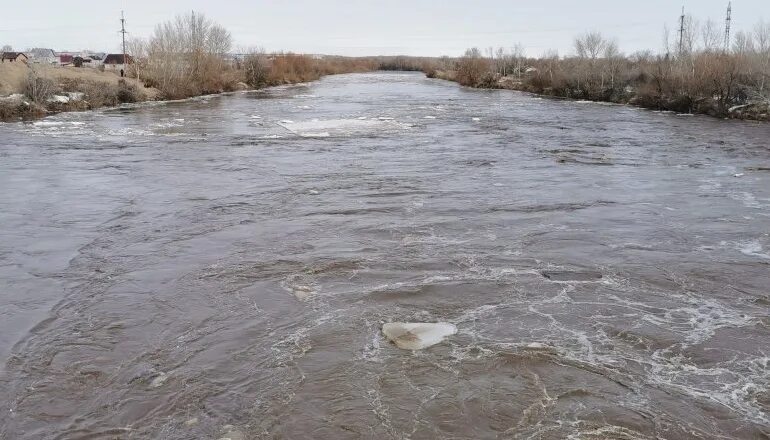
(33, 92)
(756, 111)
(29, 92)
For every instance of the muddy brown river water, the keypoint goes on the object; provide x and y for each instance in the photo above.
(222, 267)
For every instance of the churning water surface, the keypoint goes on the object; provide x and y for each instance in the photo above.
(222, 267)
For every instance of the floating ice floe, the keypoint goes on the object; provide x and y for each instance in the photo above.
(229, 432)
(159, 380)
(417, 336)
(430, 117)
(476, 119)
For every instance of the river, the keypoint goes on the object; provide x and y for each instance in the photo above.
(222, 267)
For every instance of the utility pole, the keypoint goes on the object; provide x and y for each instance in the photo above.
(728, 22)
(123, 31)
(681, 32)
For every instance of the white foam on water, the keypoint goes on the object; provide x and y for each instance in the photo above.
(430, 117)
(323, 134)
(748, 199)
(47, 124)
(753, 248)
(340, 127)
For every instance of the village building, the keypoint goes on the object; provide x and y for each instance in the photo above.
(66, 59)
(11, 57)
(39, 55)
(116, 62)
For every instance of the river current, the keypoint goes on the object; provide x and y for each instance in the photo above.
(222, 267)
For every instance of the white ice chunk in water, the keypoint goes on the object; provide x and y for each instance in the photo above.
(159, 380)
(417, 336)
(430, 117)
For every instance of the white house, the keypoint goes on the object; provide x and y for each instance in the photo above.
(39, 55)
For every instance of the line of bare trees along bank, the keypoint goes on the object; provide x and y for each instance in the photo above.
(190, 56)
(696, 74)
(184, 57)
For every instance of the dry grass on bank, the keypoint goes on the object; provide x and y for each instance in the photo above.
(40, 90)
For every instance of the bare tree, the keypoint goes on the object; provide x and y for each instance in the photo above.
(743, 43)
(762, 49)
(711, 36)
(518, 55)
(613, 62)
(38, 88)
(257, 68)
(472, 67)
(590, 45)
(137, 49)
(186, 55)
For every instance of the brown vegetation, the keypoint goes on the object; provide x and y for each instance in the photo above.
(699, 77)
(185, 57)
(41, 90)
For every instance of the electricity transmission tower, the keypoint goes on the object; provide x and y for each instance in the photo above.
(728, 22)
(681, 32)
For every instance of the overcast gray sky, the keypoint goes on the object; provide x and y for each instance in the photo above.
(367, 27)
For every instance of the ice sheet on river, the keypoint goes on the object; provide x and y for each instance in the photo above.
(342, 127)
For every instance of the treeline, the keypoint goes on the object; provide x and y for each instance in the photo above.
(190, 56)
(187, 56)
(696, 74)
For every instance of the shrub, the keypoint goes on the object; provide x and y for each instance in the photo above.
(39, 89)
